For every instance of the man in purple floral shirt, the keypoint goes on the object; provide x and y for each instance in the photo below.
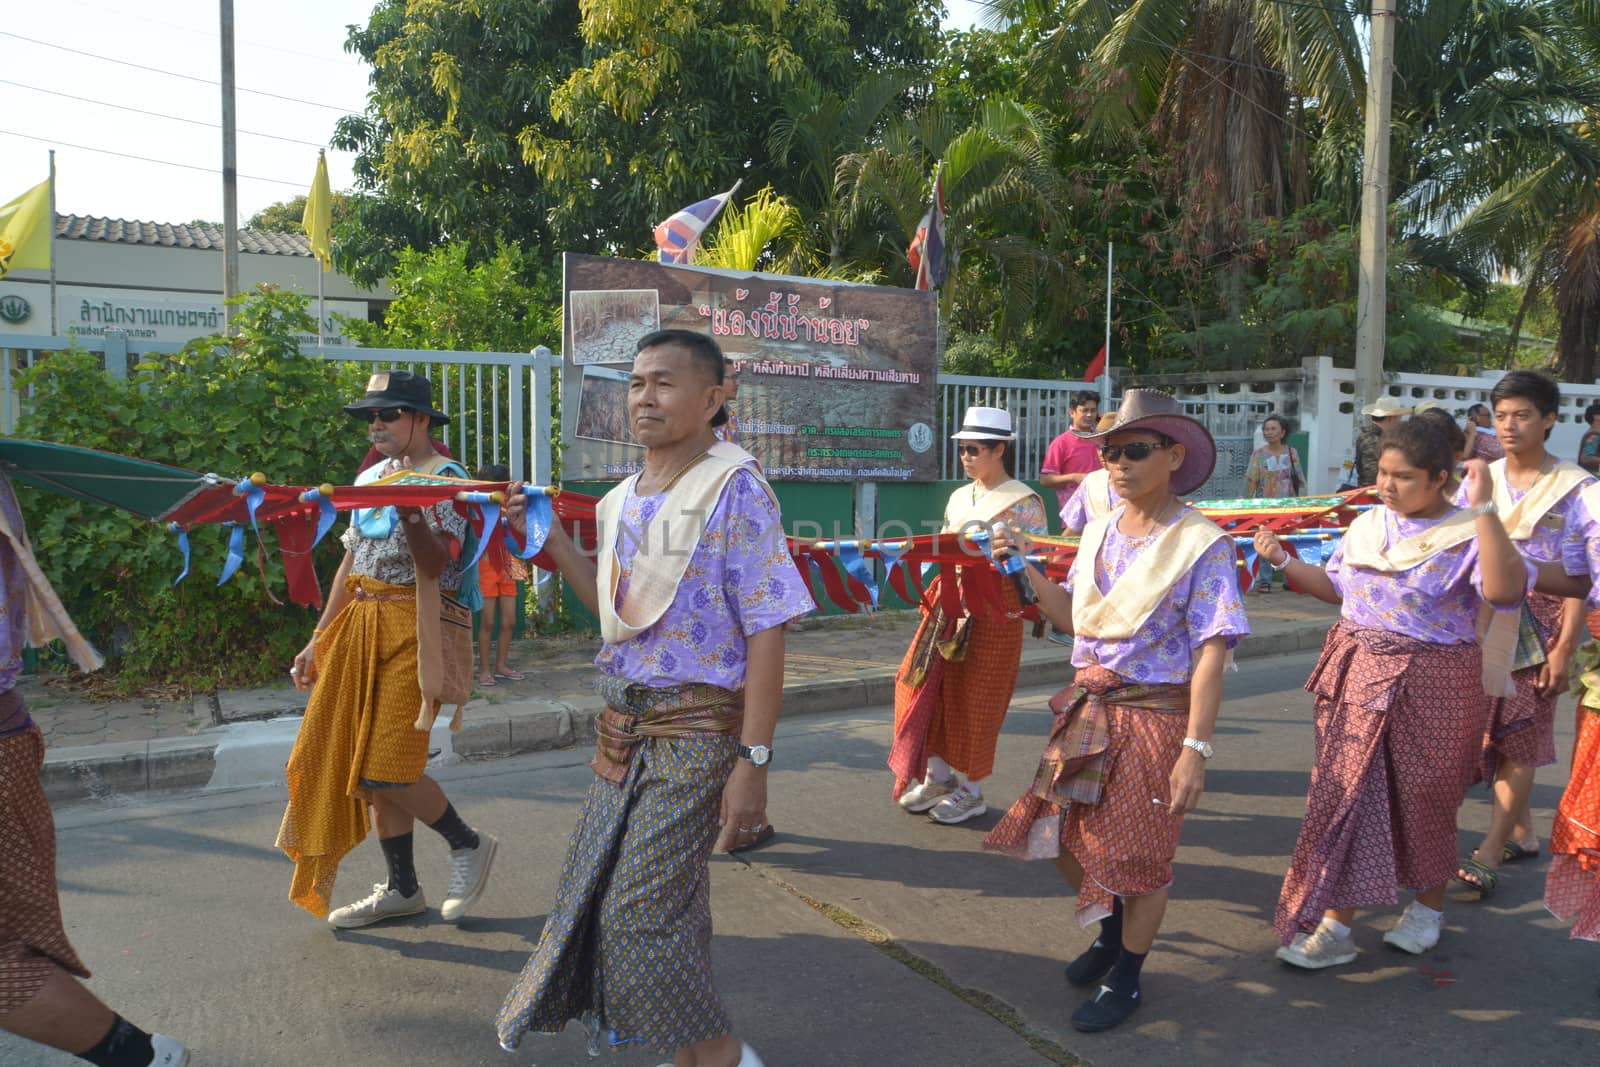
(697, 584)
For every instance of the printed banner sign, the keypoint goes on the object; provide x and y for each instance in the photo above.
(832, 381)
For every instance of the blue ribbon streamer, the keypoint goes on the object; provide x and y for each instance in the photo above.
(491, 520)
(541, 516)
(890, 554)
(183, 543)
(235, 552)
(849, 553)
(326, 514)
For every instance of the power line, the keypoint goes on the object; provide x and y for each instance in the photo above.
(145, 20)
(176, 74)
(155, 114)
(145, 159)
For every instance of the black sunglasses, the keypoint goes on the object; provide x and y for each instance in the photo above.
(973, 450)
(1138, 450)
(385, 414)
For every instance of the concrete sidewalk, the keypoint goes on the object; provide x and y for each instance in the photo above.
(242, 737)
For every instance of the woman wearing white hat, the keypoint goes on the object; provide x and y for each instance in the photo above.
(952, 691)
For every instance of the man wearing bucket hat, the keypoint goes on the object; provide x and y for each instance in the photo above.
(1153, 599)
(359, 742)
(955, 685)
(1385, 411)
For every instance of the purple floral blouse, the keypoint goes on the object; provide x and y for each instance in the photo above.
(1550, 533)
(1435, 602)
(1205, 603)
(1075, 512)
(1580, 549)
(740, 581)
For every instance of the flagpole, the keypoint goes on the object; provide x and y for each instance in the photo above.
(52, 239)
(1105, 371)
(715, 215)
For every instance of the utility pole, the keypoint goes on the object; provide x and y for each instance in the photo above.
(230, 172)
(1372, 295)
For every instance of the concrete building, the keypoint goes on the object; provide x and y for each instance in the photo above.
(161, 282)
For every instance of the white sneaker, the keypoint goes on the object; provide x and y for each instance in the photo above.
(959, 806)
(1318, 949)
(1416, 931)
(469, 873)
(748, 1057)
(169, 1051)
(383, 903)
(924, 795)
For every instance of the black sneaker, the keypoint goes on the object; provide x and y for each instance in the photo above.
(1093, 963)
(1105, 1010)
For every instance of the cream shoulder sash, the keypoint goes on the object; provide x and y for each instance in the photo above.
(1363, 541)
(1097, 487)
(961, 509)
(1551, 488)
(1119, 614)
(666, 545)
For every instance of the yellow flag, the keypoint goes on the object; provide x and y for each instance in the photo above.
(318, 219)
(25, 226)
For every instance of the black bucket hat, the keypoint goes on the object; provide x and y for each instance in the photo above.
(398, 389)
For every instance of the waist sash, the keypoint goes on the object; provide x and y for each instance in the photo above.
(635, 712)
(1072, 768)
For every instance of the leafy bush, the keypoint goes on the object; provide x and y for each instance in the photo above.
(232, 405)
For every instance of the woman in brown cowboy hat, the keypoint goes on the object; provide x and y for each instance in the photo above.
(1153, 598)
(952, 692)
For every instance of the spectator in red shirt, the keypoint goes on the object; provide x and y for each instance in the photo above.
(1069, 458)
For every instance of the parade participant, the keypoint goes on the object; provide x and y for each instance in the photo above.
(1153, 599)
(41, 998)
(728, 430)
(1589, 446)
(1386, 411)
(1479, 431)
(1572, 884)
(1274, 471)
(693, 585)
(1400, 705)
(1069, 456)
(954, 686)
(497, 583)
(1537, 495)
(362, 740)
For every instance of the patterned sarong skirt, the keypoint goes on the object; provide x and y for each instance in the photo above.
(1099, 810)
(359, 724)
(1572, 885)
(1522, 728)
(32, 941)
(1399, 726)
(627, 945)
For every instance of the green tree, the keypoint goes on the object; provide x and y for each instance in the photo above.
(287, 216)
(442, 301)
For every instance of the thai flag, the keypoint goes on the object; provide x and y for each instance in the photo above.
(677, 237)
(926, 254)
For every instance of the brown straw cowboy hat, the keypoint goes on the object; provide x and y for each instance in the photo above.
(1158, 412)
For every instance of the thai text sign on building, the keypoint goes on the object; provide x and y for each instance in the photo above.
(834, 382)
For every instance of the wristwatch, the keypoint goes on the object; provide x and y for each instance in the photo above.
(760, 755)
(1202, 747)
(1489, 508)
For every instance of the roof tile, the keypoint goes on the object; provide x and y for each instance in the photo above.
(177, 235)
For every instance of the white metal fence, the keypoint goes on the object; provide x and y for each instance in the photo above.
(1040, 412)
(501, 403)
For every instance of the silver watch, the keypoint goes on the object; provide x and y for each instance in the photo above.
(1487, 508)
(1202, 747)
(760, 755)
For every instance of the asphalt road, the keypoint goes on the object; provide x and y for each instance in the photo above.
(864, 936)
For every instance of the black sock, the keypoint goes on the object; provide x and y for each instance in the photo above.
(1092, 964)
(401, 858)
(125, 1045)
(1111, 925)
(455, 832)
(1124, 975)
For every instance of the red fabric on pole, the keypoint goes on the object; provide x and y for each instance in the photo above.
(1097, 365)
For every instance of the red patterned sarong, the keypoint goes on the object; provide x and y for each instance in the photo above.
(1522, 728)
(1399, 729)
(1123, 841)
(954, 708)
(1572, 886)
(32, 941)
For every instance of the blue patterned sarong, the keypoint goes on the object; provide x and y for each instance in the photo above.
(627, 944)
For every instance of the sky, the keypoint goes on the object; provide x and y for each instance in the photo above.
(66, 65)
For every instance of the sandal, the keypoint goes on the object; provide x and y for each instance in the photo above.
(766, 834)
(1477, 876)
(511, 675)
(1515, 853)
(486, 679)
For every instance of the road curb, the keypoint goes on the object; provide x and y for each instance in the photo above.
(494, 731)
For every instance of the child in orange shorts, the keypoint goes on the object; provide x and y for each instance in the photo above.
(498, 583)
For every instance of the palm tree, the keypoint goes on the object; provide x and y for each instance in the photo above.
(767, 234)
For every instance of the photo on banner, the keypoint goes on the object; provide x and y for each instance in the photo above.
(836, 381)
